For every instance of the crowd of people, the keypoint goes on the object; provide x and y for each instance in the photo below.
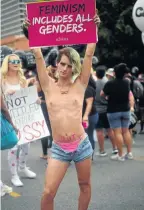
(81, 101)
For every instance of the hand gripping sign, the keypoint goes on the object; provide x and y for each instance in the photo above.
(58, 23)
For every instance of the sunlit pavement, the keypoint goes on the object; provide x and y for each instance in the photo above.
(115, 185)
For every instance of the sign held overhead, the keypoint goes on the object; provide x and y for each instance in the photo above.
(61, 23)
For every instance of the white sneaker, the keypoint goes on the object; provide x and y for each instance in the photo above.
(114, 152)
(2, 193)
(27, 173)
(16, 181)
(133, 141)
(5, 190)
(129, 156)
(117, 157)
(101, 154)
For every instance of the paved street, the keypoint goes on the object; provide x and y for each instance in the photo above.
(115, 185)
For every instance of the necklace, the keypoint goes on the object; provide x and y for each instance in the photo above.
(64, 91)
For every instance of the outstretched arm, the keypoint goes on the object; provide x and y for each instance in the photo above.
(40, 62)
(87, 62)
(41, 68)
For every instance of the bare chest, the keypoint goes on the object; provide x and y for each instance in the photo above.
(71, 100)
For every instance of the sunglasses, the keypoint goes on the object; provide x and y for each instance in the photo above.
(15, 61)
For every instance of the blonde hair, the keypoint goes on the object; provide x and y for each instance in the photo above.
(4, 70)
(74, 58)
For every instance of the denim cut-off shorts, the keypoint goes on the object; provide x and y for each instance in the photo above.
(119, 119)
(83, 151)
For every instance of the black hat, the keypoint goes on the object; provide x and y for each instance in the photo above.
(46, 50)
(5, 50)
(51, 59)
(31, 63)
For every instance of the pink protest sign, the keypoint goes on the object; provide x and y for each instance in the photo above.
(61, 23)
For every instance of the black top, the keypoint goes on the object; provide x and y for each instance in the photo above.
(141, 101)
(89, 93)
(117, 91)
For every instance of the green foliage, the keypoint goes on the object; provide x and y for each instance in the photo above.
(119, 39)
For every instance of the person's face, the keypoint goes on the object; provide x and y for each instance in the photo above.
(14, 63)
(64, 68)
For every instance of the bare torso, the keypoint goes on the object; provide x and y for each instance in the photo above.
(65, 112)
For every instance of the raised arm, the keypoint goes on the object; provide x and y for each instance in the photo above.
(41, 68)
(87, 62)
(40, 62)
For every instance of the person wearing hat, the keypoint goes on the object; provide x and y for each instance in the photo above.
(95, 62)
(5, 50)
(110, 74)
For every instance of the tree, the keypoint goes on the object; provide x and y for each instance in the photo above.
(119, 39)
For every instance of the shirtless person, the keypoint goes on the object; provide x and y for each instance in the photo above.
(64, 101)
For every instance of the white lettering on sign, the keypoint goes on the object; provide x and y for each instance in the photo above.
(57, 24)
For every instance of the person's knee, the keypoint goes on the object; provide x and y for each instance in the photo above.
(85, 187)
(100, 133)
(110, 133)
(125, 131)
(117, 131)
(48, 194)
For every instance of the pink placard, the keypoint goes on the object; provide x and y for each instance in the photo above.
(61, 23)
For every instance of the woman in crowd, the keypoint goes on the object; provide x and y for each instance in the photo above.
(90, 115)
(141, 104)
(101, 106)
(118, 111)
(137, 91)
(13, 80)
